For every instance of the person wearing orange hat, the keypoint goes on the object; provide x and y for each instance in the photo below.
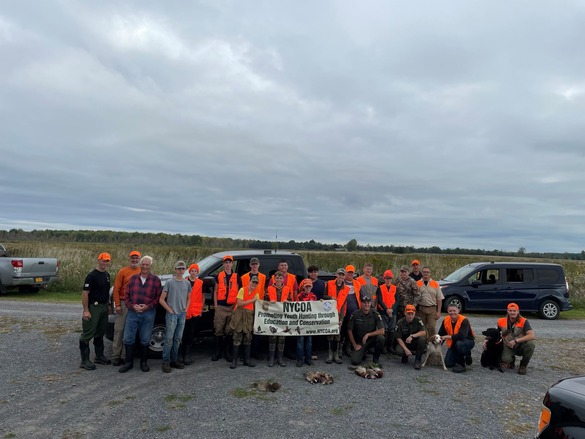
(336, 290)
(305, 343)
(457, 333)
(387, 306)
(351, 303)
(411, 336)
(257, 340)
(415, 273)
(431, 299)
(227, 285)
(196, 303)
(119, 294)
(95, 297)
(518, 338)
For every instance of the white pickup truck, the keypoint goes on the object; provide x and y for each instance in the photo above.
(27, 274)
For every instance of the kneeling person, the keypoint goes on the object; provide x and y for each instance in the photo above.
(456, 331)
(365, 330)
(411, 336)
(518, 338)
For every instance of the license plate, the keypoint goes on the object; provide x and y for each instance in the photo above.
(38, 279)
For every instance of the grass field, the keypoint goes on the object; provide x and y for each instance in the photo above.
(76, 260)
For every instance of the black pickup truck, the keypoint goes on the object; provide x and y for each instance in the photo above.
(209, 267)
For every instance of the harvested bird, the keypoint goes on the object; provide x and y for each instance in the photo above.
(319, 378)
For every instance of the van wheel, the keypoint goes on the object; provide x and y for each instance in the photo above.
(157, 341)
(549, 310)
(454, 300)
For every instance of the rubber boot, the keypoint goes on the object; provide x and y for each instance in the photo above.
(335, 349)
(187, 358)
(391, 347)
(218, 348)
(280, 355)
(129, 363)
(144, 359)
(235, 353)
(228, 342)
(247, 360)
(85, 362)
(100, 358)
(271, 353)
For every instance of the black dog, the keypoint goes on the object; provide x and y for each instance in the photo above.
(494, 346)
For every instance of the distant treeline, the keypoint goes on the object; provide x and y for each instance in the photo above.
(138, 238)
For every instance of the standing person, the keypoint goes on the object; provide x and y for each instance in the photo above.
(318, 284)
(242, 321)
(196, 302)
(175, 300)
(278, 292)
(411, 337)
(305, 342)
(336, 290)
(416, 273)
(456, 331)
(387, 306)
(365, 330)
(351, 300)
(227, 285)
(142, 297)
(431, 300)
(95, 296)
(245, 279)
(368, 284)
(518, 338)
(290, 280)
(407, 291)
(120, 286)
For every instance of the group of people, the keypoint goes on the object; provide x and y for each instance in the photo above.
(394, 316)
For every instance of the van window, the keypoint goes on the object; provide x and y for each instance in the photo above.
(548, 275)
(487, 276)
(519, 275)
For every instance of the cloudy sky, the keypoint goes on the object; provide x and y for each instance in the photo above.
(425, 123)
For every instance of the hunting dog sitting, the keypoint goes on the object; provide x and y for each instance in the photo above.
(434, 350)
(492, 349)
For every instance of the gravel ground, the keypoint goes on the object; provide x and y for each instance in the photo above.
(46, 395)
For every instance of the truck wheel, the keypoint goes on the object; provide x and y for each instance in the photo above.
(454, 300)
(28, 289)
(157, 341)
(2, 288)
(549, 310)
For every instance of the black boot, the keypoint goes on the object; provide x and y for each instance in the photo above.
(235, 353)
(218, 348)
(271, 354)
(247, 360)
(280, 357)
(329, 359)
(335, 349)
(144, 359)
(100, 358)
(85, 363)
(187, 359)
(129, 362)
(228, 342)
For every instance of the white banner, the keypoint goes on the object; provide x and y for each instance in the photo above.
(296, 318)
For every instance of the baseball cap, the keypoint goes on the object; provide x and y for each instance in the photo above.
(366, 299)
(404, 268)
(349, 268)
(409, 308)
(415, 261)
(194, 266)
(180, 264)
(254, 279)
(340, 271)
(104, 257)
(513, 306)
(252, 261)
(134, 253)
(388, 273)
(228, 258)
(306, 282)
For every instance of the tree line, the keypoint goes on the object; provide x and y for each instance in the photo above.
(140, 238)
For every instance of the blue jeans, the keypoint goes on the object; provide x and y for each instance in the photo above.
(141, 323)
(175, 324)
(304, 348)
(458, 351)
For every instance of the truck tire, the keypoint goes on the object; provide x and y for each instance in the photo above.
(2, 288)
(157, 340)
(549, 310)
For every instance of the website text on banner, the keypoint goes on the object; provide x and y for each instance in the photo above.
(296, 318)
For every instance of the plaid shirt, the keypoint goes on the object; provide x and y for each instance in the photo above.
(147, 294)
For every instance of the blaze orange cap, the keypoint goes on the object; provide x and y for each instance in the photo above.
(349, 268)
(416, 261)
(513, 306)
(194, 266)
(104, 257)
(228, 258)
(409, 308)
(306, 282)
(388, 273)
(134, 253)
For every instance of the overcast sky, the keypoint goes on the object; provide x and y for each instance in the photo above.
(426, 123)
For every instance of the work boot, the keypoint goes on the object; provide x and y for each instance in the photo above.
(227, 342)
(116, 361)
(335, 350)
(129, 362)
(235, 353)
(458, 368)
(177, 364)
(166, 368)
(271, 353)
(247, 360)
(468, 360)
(85, 362)
(523, 368)
(300, 362)
(329, 359)
(144, 359)
(218, 348)
(100, 358)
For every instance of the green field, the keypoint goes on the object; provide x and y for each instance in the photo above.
(78, 259)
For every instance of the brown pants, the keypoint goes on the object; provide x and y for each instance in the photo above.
(221, 319)
(118, 350)
(428, 316)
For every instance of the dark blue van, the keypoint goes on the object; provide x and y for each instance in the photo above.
(491, 286)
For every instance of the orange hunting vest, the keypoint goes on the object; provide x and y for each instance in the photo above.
(362, 280)
(388, 295)
(196, 304)
(449, 327)
(261, 280)
(248, 296)
(222, 291)
(432, 283)
(344, 293)
(518, 326)
(286, 294)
